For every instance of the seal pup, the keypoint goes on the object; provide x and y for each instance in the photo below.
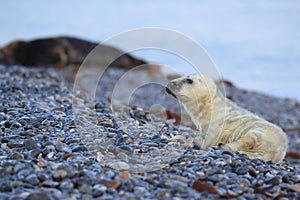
(224, 124)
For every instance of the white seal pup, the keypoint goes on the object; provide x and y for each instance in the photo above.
(224, 124)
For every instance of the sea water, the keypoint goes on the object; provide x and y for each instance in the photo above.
(255, 44)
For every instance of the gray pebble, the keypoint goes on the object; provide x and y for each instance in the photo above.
(49, 184)
(125, 148)
(6, 186)
(30, 144)
(46, 122)
(79, 148)
(17, 156)
(39, 196)
(274, 180)
(60, 174)
(34, 153)
(286, 178)
(296, 178)
(18, 167)
(119, 165)
(66, 184)
(62, 147)
(241, 170)
(24, 172)
(4, 196)
(32, 179)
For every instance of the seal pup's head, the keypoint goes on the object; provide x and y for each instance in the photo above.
(192, 90)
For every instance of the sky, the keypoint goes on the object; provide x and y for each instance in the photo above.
(255, 44)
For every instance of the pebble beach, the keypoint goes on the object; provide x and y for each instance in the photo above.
(45, 155)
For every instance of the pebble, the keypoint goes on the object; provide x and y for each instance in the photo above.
(150, 144)
(79, 148)
(4, 146)
(30, 144)
(127, 148)
(119, 165)
(252, 172)
(296, 178)
(49, 183)
(18, 167)
(39, 196)
(100, 187)
(286, 178)
(225, 152)
(32, 179)
(17, 156)
(45, 154)
(16, 184)
(60, 174)
(140, 191)
(4, 196)
(6, 186)
(66, 184)
(62, 147)
(242, 170)
(34, 153)
(274, 180)
(43, 176)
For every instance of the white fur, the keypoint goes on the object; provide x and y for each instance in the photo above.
(223, 123)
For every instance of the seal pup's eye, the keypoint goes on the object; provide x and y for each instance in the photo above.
(189, 81)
